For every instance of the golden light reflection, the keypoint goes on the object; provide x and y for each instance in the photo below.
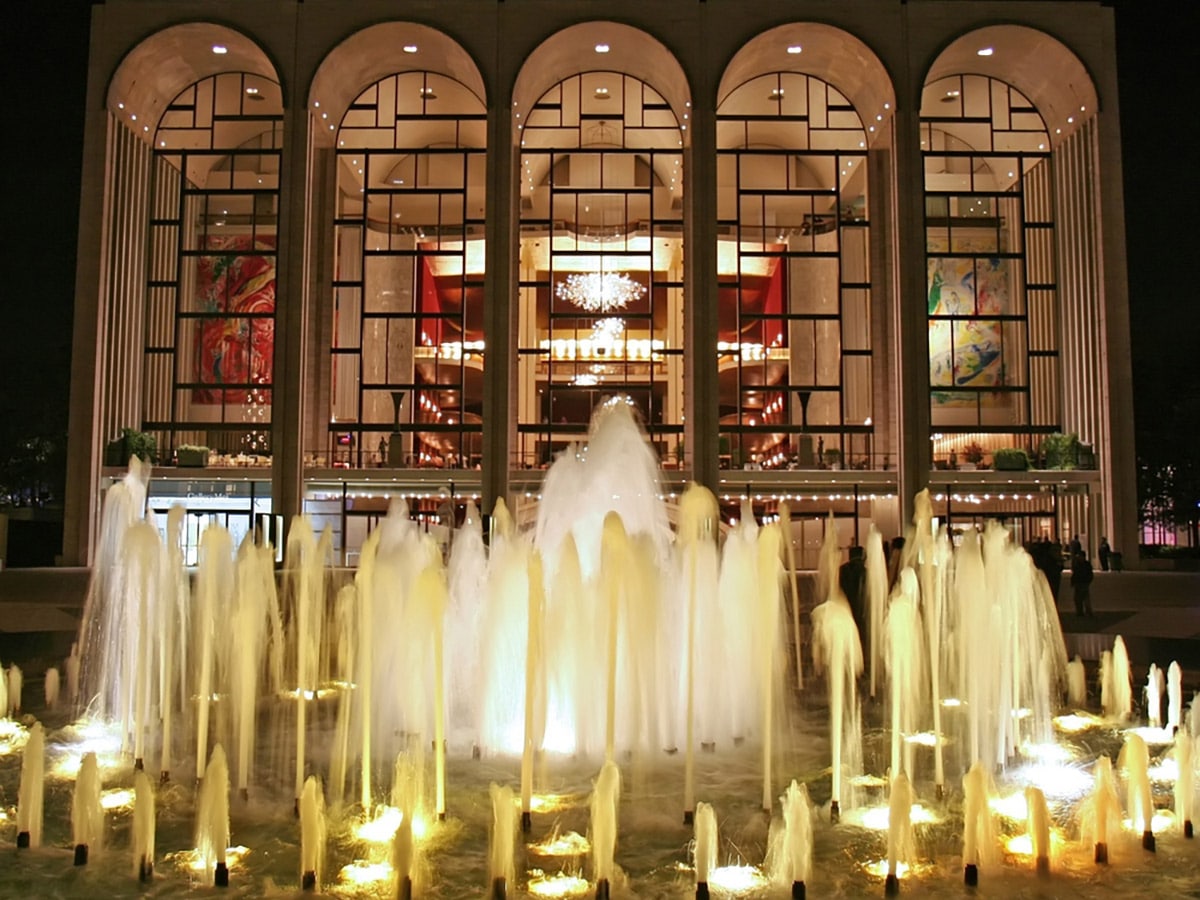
(925, 739)
(952, 702)
(1057, 780)
(737, 879)
(117, 798)
(1166, 771)
(560, 885)
(194, 859)
(382, 827)
(1011, 807)
(1022, 844)
(570, 844)
(86, 736)
(879, 868)
(13, 736)
(1154, 737)
(871, 781)
(360, 872)
(878, 817)
(1162, 820)
(543, 803)
(1049, 753)
(1077, 722)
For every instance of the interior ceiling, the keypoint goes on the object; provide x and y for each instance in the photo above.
(572, 51)
(831, 54)
(1040, 66)
(376, 52)
(158, 69)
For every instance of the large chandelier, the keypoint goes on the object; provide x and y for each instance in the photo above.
(599, 292)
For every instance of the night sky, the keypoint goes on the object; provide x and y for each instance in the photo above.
(44, 74)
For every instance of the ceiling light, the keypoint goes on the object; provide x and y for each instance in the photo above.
(985, 51)
(251, 90)
(220, 49)
(794, 49)
(410, 48)
(602, 48)
(599, 292)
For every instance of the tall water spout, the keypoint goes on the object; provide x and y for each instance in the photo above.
(1185, 782)
(769, 579)
(51, 687)
(255, 602)
(312, 834)
(16, 681)
(214, 585)
(900, 835)
(87, 815)
(698, 514)
(837, 651)
(305, 563)
(877, 602)
(1174, 696)
(1102, 810)
(979, 836)
(404, 856)
(904, 659)
(605, 797)
(614, 564)
(534, 684)
(1155, 685)
(365, 588)
(430, 591)
(1135, 760)
(212, 818)
(174, 618)
(1076, 683)
(785, 526)
(71, 668)
(502, 869)
(31, 794)
(1038, 826)
(1121, 690)
(143, 826)
(794, 863)
(705, 852)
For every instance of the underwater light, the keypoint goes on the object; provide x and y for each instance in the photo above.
(737, 879)
(360, 872)
(560, 885)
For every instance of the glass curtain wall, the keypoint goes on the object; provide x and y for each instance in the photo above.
(408, 345)
(992, 294)
(601, 254)
(210, 297)
(794, 344)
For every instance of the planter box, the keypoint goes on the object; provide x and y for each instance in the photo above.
(191, 459)
(1004, 465)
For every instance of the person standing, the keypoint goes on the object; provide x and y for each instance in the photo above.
(1081, 584)
(1105, 552)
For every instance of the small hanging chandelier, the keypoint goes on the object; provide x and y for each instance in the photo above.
(599, 292)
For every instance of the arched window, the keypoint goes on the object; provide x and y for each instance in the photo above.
(601, 257)
(992, 288)
(407, 342)
(794, 321)
(210, 293)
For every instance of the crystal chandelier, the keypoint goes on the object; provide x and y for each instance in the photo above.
(599, 292)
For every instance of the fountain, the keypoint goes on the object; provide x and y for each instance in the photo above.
(1102, 810)
(31, 796)
(1135, 761)
(87, 815)
(597, 638)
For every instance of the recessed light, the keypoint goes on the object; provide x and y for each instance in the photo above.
(953, 93)
(602, 48)
(251, 90)
(1070, 120)
(220, 49)
(428, 93)
(985, 51)
(410, 48)
(794, 49)
(120, 106)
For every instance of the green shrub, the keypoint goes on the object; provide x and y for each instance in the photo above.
(1012, 459)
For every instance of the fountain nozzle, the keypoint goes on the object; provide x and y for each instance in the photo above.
(404, 889)
(1102, 854)
(145, 870)
(701, 890)
(81, 854)
(139, 765)
(971, 875)
(499, 888)
(23, 840)
(1187, 829)
(308, 881)
(835, 812)
(221, 876)
(1148, 841)
(1043, 866)
(689, 817)
(602, 889)
(526, 821)
(891, 886)
(799, 890)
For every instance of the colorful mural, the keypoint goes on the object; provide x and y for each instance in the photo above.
(966, 352)
(235, 349)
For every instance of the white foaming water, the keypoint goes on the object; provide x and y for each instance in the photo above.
(979, 830)
(905, 676)
(793, 858)
(51, 688)
(1038, 825)
(31, 796)
(1135, 762)
(87, 815)
(1076, 683)
(838, 652)
(143, 825)
(900, 847)
(1174, 696)
(1120, 697)
(605, 797)
(704, 852)
(501, 861)
(877, 600)
(16, 681)
(1155, 686)
(212, 814)
(312, 831)
(1185, 783)
(1101, 812)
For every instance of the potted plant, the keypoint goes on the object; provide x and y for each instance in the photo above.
(1010, 459)
(191, 456)
(833, 458)
(1060, 451)
(130, 443)
(972, 456)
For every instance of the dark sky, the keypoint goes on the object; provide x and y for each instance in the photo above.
(44, 72)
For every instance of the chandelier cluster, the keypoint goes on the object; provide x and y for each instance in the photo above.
(599, 292)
